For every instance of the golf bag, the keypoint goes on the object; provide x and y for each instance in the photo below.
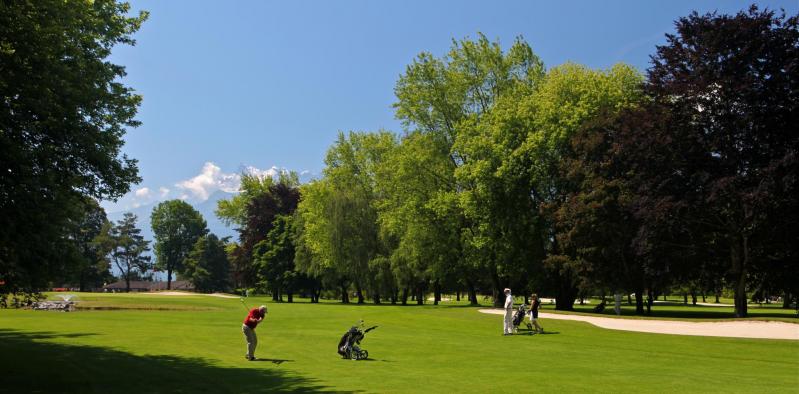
(518, 318)
(348, 346)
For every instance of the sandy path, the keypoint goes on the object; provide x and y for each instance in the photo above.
(735, 329)
(184, 293)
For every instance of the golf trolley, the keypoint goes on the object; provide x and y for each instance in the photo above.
(348, 346)
(518, 318)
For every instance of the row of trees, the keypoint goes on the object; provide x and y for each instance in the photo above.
(567, 181)
(63, 115)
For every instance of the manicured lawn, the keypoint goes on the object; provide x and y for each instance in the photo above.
(194, 344)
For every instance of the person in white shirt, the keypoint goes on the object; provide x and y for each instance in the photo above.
(508, 327)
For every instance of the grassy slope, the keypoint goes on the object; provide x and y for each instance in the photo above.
(426, 349)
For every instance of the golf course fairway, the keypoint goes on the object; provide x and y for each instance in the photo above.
(168, 344)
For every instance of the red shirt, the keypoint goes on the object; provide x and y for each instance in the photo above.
(255, 314)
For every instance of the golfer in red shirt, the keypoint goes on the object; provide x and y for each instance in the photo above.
(255, 316)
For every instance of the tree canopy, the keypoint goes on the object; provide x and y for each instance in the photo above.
(63, 115)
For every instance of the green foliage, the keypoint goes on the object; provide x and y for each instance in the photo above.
(127, 248)
(713, 157)
(338, 214)
(274, 259)
(176, 226)
(88, 264)
(207, 264)
(233, 211)
(64, 113)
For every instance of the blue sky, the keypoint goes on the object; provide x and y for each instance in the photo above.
(263, 84)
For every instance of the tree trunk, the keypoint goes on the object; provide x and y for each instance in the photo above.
(685, 298)
(718, 294)
(82, 282)
(404, 296)
(169, 278)
(127, 283)
(345, 298)
(394, 297)
(290, 295)
(564, 299)
(376, 297)
(630, 300)
(359, 293)
(419, 296)
(496, 290)
(458, 295)
(436, 293)
(704, 300)
(786, 300)
(649, 298)
(639, 301)
(693, 297)
(739, 255)
(472, 296)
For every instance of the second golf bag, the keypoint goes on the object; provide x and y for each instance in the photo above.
(518, 318)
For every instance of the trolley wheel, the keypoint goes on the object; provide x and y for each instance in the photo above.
(364, 355)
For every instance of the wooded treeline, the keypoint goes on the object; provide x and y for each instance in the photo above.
(567, 181)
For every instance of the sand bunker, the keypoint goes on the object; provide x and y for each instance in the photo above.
(735, 329)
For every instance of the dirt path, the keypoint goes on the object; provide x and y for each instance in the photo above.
(735, 329)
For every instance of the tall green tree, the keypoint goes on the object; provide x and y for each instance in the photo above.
(715, 152)
(338, 215)
(127, 247)
(63, 115)
(440, 97)
(512, 172)
(274, 259)
(90, 267)
(254, 210)
(176, 226)
(207, 264)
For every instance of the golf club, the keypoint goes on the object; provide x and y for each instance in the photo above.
(244, 304)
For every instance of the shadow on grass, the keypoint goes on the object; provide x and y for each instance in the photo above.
(30, 364)
(530, 333)
(274, 360)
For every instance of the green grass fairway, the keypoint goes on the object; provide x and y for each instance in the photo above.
(183, 344)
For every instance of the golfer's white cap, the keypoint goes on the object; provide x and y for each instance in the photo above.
(263, 307)
(507, 290)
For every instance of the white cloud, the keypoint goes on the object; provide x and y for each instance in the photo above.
(198, 188)
(143, 192)
(210, 179)
(271, 172)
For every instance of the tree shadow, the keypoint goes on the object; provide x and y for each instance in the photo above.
(530, 333)
(31, 363)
